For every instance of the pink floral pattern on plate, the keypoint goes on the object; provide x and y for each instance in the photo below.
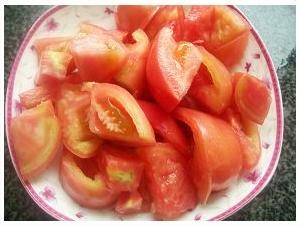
(198, 217)
(48, 193)
(51, 25)
(108, 11)
(252, 176)
(79, 214)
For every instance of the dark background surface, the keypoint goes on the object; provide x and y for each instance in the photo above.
(275, 202)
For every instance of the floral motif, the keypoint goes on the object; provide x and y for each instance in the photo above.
(247, 66)
(198, 217)
(18, 107)
(51, 25)
(256, 56)
(108, 11)
(265, 145)
(48, 193)
(79, 214)
(252, 176)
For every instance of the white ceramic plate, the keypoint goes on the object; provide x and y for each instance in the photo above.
(47, 192)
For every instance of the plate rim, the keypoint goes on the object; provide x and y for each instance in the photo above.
(224, 214)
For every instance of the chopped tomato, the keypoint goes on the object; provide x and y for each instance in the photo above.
(220, 30)
(171, 68)
(164, 16)
(98, 57)
(146, 195)
(82, 180)
(168, 180)
(35, 135)
(53, 67)
(122, 168)
(132, 76)
(35, 96)
(248, 134)
(72, 109)
(131, 17)
(212, 86)
(115, 115)
(42, 44)
(129, 203)
(96, 30)
(164, 125)
(217, 158)
(252, 98)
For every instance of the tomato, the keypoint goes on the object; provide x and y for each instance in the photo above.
(53, 67)
(96, 30)
(252, 98)
(171, 68)
(217, 156)
(42, 44)
(35, 135)
(72, 109)
(129, 203)
(164, 16)
(168, 180)
(98, 57)
(220, 30)
(212, 87)
(115, 115)
(82, 180)
(35, 96)
(145, 193)
(122, 168)
(132, 75)
(131, 17)
(164, 125)
(248, 134)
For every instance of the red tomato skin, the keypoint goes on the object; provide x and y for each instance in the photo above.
(167, 177)
(34, 156)
(98, 57)
(123, 170)
(170, 75)
(252, 98)
(131, 17)
(216, 148)
(166, 127)
(88, 192)
(129, 203)
(132, 76)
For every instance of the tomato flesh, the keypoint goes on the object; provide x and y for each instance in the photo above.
(129, 203)
(122, 168)
(115, 115)
(171, 189)
(171, 68)
(35, 135)
(217, 158)
(33, 97)
(85, 184)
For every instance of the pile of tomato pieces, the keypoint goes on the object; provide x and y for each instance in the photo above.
(148, 117)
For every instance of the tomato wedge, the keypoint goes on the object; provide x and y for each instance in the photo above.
(164, 125)
(82, 180)
(115, 115)
(122, 168)
(42, 44)
(98, 57)
(132, 17)
(164, 16)
(129, 203)
(72, 109)
(252, 98)
(212, 87)
(217, 158)
(248, 134)
(171, 68)
(35, 96)
(132, 76)
(35, 135)
(168, 181)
